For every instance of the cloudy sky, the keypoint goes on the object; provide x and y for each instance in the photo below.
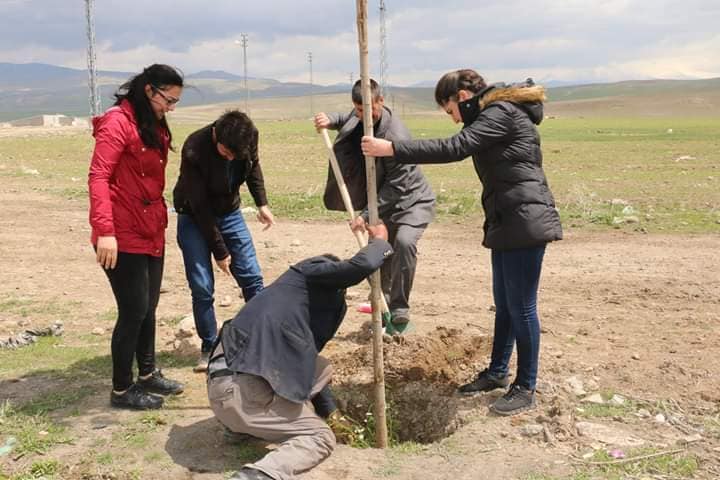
(568, 40)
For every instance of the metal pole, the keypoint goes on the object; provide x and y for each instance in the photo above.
(95, 102)
(383, 50)
(244, 38)
(312, 109)
(381, 434)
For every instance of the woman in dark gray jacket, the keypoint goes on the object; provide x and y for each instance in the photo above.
(500, 134)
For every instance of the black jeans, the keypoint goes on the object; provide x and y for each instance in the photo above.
(135, 282)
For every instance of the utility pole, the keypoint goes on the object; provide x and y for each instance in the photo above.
(95, 103)
(383, 50)
(351, 79)
(244, 41)
(312, 109)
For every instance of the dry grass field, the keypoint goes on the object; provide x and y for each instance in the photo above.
(629, 304)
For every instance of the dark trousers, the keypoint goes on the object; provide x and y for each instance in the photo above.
(398, 274)
(135, 282)
(516, 276)
(324, 402)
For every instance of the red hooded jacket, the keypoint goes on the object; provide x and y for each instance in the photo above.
(126, 183)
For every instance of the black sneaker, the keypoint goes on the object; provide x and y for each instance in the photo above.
(484, 383)
(135, 398)
(157, 383)
(518, 399)
(246, 473)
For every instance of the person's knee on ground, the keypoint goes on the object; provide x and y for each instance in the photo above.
(326, 442)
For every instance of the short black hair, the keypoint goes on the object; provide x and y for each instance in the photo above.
(357, 92)
(235, 131)
(451, 83)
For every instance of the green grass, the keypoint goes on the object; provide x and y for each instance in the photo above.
(588, 162)
(592, 410)
(543, 476)
(138, 435)
(26, 307)
(240, 454)
(108, 316)
(50, 356)
(52, 401)
(35, 434)
(171, 321)
(44, 469)
(364, 431)
(682, 465)
(679, 465)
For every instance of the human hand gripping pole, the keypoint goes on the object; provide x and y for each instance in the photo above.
(350, 210)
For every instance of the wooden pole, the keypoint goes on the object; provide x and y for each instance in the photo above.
(347, 201)
(381, 434)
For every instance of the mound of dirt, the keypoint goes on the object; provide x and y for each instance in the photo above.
(446, 357)
(421, 377)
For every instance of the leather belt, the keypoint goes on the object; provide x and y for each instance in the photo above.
(223, 372)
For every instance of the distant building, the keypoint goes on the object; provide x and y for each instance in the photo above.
(50, 121)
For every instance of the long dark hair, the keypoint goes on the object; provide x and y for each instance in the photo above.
(157, 76)
(451, 83)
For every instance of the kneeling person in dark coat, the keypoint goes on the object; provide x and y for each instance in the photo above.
(265, 376)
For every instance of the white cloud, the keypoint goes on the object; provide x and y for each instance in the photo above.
(598, 40)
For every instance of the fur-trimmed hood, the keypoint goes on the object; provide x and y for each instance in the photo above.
(527, 96)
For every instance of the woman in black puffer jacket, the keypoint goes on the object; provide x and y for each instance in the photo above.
(500, 134)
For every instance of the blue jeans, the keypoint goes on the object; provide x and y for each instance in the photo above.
(199, 268)
(516, 276)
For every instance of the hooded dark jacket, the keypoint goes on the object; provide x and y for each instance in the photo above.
(499, 133)
(404, 194)
(277, 335)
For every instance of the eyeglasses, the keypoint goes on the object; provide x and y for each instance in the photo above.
(169, 100)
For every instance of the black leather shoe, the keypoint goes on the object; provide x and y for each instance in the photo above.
(135, 398)
(250, 474)
(157, 383)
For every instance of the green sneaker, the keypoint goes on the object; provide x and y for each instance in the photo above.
(398, 324)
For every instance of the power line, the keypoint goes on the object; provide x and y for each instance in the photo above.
(95, 102)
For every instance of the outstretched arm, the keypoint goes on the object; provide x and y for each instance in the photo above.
(346, 273)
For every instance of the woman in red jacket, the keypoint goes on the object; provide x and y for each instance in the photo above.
(128, 216)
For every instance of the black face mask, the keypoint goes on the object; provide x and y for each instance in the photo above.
(469, 109)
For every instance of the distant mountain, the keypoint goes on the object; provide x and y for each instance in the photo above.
(36, 88)
(633, 88)
(216, 74)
